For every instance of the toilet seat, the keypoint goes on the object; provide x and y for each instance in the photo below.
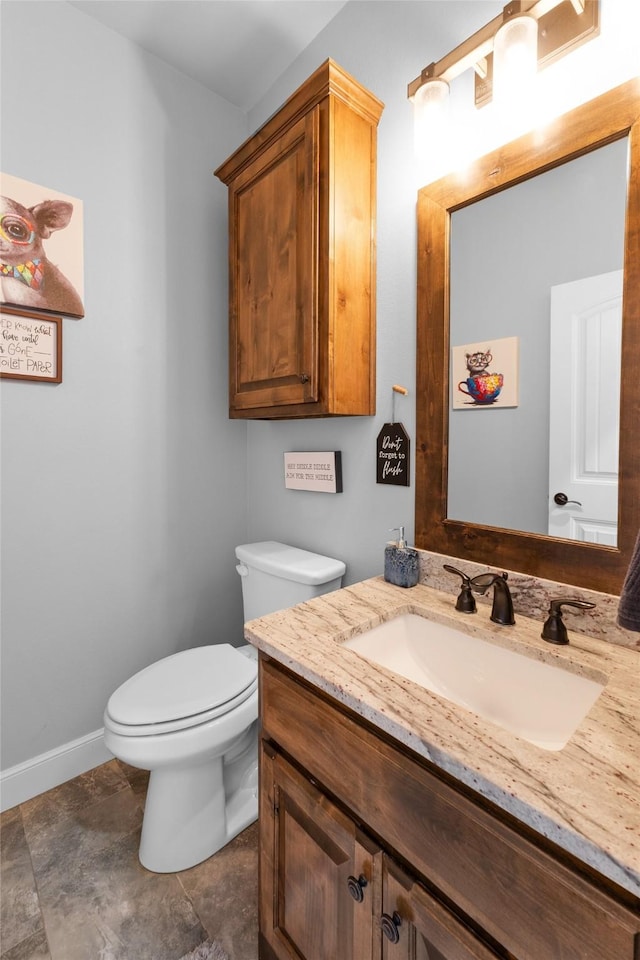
(182, 690)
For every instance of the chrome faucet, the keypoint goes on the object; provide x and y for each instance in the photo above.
(502, 609)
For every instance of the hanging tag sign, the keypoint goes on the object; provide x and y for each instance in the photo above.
(393, 455)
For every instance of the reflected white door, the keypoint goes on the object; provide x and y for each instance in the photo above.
(586, 327)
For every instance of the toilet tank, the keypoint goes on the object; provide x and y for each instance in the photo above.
(275, 576)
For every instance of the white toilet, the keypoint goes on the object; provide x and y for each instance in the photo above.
(192, 718)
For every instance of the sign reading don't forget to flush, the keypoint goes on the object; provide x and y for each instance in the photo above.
(321, 472)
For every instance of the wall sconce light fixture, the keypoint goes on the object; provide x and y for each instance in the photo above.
(506, 53)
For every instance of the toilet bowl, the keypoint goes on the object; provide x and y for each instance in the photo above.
(191, 719)
(184, 718)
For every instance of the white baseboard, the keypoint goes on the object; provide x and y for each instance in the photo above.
(48, 770)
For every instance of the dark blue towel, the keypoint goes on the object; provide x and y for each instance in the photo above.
(629, 607)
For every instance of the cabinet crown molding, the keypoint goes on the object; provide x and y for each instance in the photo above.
(328, 80)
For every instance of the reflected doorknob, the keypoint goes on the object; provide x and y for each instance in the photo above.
(562, 500)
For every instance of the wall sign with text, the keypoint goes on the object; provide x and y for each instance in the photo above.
(393, 455)
(30, 346)
(321, 472)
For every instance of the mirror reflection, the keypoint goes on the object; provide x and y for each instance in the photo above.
(535, 332)
(609, 119)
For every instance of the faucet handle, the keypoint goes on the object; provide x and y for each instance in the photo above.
(554, 629)
(466, 601)
(465, 578)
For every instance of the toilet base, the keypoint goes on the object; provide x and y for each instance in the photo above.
(188, 816)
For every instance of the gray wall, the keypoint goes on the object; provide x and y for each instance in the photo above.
(123, 488)
(126, 487)
(384, 46)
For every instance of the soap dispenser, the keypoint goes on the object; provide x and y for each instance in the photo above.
(401, 565)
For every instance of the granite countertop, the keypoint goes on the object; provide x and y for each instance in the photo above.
(585, 797)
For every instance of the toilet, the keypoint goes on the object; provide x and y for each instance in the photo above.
(192, 718)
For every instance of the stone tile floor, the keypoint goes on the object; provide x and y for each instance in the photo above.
(72, 887)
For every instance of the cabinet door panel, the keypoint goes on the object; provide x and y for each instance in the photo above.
(274, 311)
(424, 928)
(309, 853)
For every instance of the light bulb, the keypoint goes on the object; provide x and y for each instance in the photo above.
(515, 61)
(430, 116)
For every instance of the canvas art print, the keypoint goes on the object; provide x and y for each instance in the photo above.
(41, 248)
(485, 374)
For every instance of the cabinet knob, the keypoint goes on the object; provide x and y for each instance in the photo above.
(356, 887)
(304, 377)
(390, 926)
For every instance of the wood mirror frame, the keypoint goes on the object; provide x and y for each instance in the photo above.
(611, 116)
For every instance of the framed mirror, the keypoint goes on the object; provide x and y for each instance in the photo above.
(452, 515)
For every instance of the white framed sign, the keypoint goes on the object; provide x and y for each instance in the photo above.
(321, 472)
(30, 346)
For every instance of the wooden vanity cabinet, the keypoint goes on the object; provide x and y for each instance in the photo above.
(312, 854)
(366, 852)
(302, 203)
(416, 926)
(328, 892)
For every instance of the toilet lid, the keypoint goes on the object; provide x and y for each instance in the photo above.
(184, 685)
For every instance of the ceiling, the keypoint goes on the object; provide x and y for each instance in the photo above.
(236, 48)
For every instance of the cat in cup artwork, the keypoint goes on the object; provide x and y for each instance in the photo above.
(485, 383)
(481, 385)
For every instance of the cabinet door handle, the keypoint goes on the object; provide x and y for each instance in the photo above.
(356, 886)
(390, 926)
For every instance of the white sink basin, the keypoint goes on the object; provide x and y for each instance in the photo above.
(536, 701)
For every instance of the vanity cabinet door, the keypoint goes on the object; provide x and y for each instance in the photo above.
(319, 876)
(416, 926)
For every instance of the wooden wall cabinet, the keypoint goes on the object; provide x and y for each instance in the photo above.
(302, 205)
(367, 854)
